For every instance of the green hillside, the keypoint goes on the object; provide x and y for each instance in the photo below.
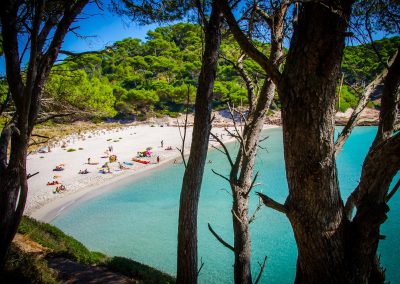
(156, 77)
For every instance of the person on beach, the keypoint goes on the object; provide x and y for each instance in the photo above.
(88, 161)
(162, 143)
(158, 159)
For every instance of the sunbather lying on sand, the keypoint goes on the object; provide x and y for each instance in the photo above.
(59, 189)
(54, 182)
(59, 168)
(122, 167)
(83, 172)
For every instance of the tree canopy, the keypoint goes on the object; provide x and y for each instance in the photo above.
(135, 77)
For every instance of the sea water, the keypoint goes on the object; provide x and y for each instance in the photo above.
(138, 218)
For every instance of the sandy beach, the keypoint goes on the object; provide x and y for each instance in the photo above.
(73, 152)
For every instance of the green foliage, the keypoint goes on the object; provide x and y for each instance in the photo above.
(22, 267)
(66, 246)
(347, 99)
(62, 244)
(135, 77)
(139, 271)
(361, 63)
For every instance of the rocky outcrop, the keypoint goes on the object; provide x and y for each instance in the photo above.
(368, 116)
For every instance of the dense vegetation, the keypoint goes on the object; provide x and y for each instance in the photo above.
(28, 268)
(156, 77)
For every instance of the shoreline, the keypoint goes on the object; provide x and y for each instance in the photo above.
(45, 206)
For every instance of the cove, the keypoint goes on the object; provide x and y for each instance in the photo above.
(137, 218)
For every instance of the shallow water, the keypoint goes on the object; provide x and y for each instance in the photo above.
(138, 219)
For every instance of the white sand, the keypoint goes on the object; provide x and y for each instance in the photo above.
(44, 205)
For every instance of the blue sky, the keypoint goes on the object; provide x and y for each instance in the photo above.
(100, 28)
(103, 28)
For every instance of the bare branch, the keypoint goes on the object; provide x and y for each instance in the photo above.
(248, 46)
(183, 137)
(77, 54)
(200, 9)
(269, 202)
(253, 217)
(226, 152)
(220, 175)
(224, 189)
(393, 191)
(236, 216)
(201, 266)
(262, 266)
(224, 243)
(252, 184)
(352, 122)
(31, 175)
(40, 136)
(51, 116)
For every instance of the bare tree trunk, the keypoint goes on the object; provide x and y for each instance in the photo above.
(242, 185)
(314, 206)
(187, 269)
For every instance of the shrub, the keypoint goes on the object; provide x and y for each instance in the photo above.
(62, 244)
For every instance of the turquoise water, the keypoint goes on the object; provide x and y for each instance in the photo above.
(138, 218)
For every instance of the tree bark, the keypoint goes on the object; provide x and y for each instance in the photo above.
(332, 247)
(314, 206)
(26, 95)
(187, 269)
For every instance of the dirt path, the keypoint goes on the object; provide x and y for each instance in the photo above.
(70, 272)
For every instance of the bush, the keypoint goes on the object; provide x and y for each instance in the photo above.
(138, 271)
(62, 244)
(21, 267)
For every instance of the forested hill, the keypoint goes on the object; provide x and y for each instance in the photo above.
(155, 77)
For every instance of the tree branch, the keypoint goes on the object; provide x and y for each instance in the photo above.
(77, 54)
(51, 116)
(389, 101)
(253, 217)
(262, 266)
(225, 244)
(269, 202)
(352, 122)
(220, 175)
(252, 184)
(226, 152)
(250, 49)
(393, 191)
(201, 266)
(183, 137)
(31, 175)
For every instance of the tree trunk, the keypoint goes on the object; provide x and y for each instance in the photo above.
(13, 192)
(26, 89)
(242, 185)
(187, 228)
(242, 240)
(314, 206)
